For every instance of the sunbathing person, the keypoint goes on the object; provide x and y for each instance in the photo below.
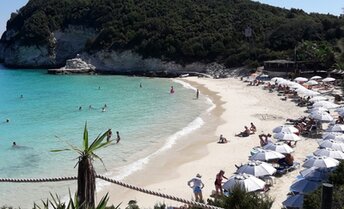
(222, 140)
(253, 128)
(245, 133)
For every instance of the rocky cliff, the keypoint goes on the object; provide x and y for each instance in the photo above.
(66, 44)
(62, 45)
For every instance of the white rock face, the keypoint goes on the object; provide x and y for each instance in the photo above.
(129, 61)
(78, 63)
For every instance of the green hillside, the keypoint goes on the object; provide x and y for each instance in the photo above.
(182, 30)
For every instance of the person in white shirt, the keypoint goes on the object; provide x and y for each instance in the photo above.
(197, 185)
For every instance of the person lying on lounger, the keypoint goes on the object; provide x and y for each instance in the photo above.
(245, 133)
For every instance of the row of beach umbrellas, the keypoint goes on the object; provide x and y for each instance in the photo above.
(330, 150)
(248, 175)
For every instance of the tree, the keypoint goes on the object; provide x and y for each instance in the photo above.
(86, 172)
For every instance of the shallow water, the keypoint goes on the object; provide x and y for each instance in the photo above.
(47, 117)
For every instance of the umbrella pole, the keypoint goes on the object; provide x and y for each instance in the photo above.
(326, 199)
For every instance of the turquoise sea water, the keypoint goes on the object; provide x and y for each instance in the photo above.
(149, 120)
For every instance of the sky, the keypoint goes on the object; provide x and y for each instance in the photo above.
(321, 6)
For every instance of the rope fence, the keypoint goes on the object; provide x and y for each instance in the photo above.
(129, 186)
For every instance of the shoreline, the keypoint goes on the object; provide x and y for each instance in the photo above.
(198, 152)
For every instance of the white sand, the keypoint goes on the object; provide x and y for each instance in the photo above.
(237, 106)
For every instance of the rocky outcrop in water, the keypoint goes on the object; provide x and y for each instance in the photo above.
(76, 65)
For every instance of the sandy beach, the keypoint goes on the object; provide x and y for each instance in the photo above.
(236, 106)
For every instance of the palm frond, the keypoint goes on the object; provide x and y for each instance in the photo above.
(103, 202)
(104, 144)
(76, 149)
(97, 141)
(85, 137)
(99, 158)
(60, 150)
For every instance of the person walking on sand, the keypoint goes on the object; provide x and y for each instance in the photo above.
(197, 185)
(197, 94)
(218, 182)
(109, 135)
(118, 137)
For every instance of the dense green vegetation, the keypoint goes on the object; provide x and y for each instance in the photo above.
(183, 30)
(313, 200)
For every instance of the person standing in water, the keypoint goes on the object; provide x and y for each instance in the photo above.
(140, 85)
(118, 137)
(171, 90)
(109, 134)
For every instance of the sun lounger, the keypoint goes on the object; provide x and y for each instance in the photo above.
(285, 169)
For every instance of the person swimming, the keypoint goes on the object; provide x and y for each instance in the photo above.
(80, 108)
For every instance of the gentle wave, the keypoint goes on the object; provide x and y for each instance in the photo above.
(139, 164)
(127, 170)
(212, 104)
(184, 84)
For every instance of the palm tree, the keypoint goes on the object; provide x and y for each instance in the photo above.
(86, 172)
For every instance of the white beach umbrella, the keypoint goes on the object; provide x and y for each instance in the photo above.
(285, 129)
(336, 136)
(316, 77)
(341, 113)
(336, 128)
(295, 85)
(257, 168)
(315, 173)
(335, 145)
(247, 182)
(301, 79)
(320, 162)
(321, 116)
(328, 152)
(304, 186)
(306, 92)
(266, 155)
(294, 201)
(280, 147)
(339, 109)
(311, 82)
(318, 98)
(274, 79)
(325, 104)
(287, 136)
(318, 109)
(328, 79)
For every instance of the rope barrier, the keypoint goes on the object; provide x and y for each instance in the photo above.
(57, 179)
(202, 205)
(31, 180)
